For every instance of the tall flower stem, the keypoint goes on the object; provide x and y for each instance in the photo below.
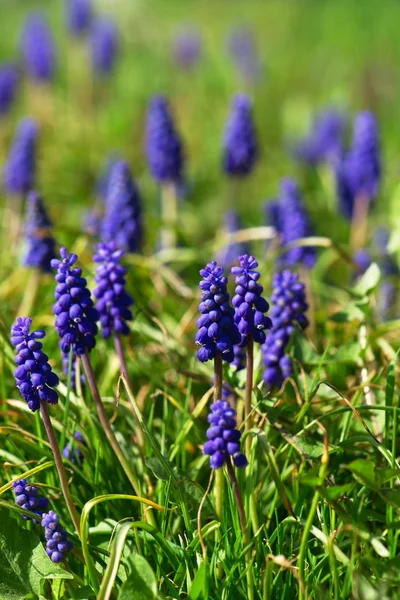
(359, 222)
(59, 465)
(169, 215)
(219, 476)
(106, 424)
(248, 390)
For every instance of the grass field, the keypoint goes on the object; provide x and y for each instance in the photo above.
(321, 492)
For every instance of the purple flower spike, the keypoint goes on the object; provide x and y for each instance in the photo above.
(26, 496)
(40, 243)
(243, 49)
(76, 316)
(217, 330)
(187, 47)
(79, 16)
(38, 49)
(223, 437)
(113, 302)
(34, 376)
(324, 142)
(104, 46)
(8, 88)
(240, 147)
(288, 308)
(74, 455)
(122, 221)
(20, 166)
(249, 304)
(295, 224)
(57, 543)
(164, 150)
(232, 250)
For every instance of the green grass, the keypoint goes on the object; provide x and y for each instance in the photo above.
(323, 479)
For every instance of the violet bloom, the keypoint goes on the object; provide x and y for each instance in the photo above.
(40, 244)
(288, 305)
(243, 50)
(249, 304)
(79, 15)
(223, 437)
(104, 46)
(164, 150)
(57, 543)
(187, 47)
(240, 148)
(358, 174)
(112, 301)
(34, 376)
(26, 496)
(362, 258)
(387, 293)
(8, 88)
(295, 224)
(217, 330)
(20, 166)
(76, 316)
(232, 224)
(122, 222)
(74, 454)
(324, 142)
(38, 49)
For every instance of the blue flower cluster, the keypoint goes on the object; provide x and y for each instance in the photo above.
(26, 496)
(79, 16)
(122, 221)
(113, 301)
(249, 304)
(34, 376)
(38, 49)
(8, 87)
(288, 308)
(217, 330)
(242, 47)
(240, 149)
(20, 167)
(223, 437)
(104, 45)
(164, 150)
(232, 250)
(40, 243)
(57, 542)
(74, 454)
(359, 172)
(187, 47)
(76, 316)
(324, 142)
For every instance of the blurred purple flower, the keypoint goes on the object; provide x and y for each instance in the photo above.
(240, 148)
(104, 45)
(40, 243)
(187, 47)
(79, 15)
(242, 48)
(8, 87)
(38, 48)
(20, 166)
(324, 141)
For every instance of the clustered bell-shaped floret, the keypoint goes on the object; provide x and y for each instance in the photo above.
(40, 243)
(38, 48)
(104, 43)
(249, 304)
(79, 16)
(57, 543)
(240, 143)
(74, 454)
(113, 301)
(34, 376)
(217, 330)
(20, 167)
(8, 87)
(224, 438)
(26, 496)
(75, 314)
(288, 308)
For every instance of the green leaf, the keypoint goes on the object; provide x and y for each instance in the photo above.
(200, 586)
(141, 583)
(351, 313)
(24, 563)
(364, 472)
(391, 496)
(334, 492)
(83, 593)
(367, 282)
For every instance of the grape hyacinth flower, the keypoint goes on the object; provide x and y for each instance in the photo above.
(34, 376)
(112, 301)
(122, 221)
(26, 496)
(240, 148)
(76, 316)
(388, 290)
(38, 49)
(187, 47)
(8, 87)
(272, 213)
(223, 437)
(295, 224)
(104, 46)
(232, 250)
(164, 150)
(40, 243)
(362, 259)
(217, 330)
(75, 454)
(324, 142)
(57, 543)
(79, 16)
(288, 307)
(20, 166)
(242, 48)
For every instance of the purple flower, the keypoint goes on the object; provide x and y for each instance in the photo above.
(40, 243)
(232, 250)
(26, 496)
(217, 330)
(20, 166)
(294, 224)
(104, 45)
(38, 49)
(113, 302)
(223, 437)
(362, 258)
(57, 543)
(75, 314)
(288, 308)
(34, 376)
(358, 175)
(122, 221)
(249, 304)
(324, 142)
(187, 47)
(164, 150)
(8, 87)
(240, 149)
(272, 212)
(74, 454)
(388, 290)
(79, 16)
(242, 48)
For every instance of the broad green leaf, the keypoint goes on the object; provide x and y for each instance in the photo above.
(367, 282)
(391, 495)
(352, 312)
(141, 583)
(364, 472)
(334, 492)
(200, 586)
(83, 593)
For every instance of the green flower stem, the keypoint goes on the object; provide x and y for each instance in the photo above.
(219, 475)
(248, 391)
(169, 213)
